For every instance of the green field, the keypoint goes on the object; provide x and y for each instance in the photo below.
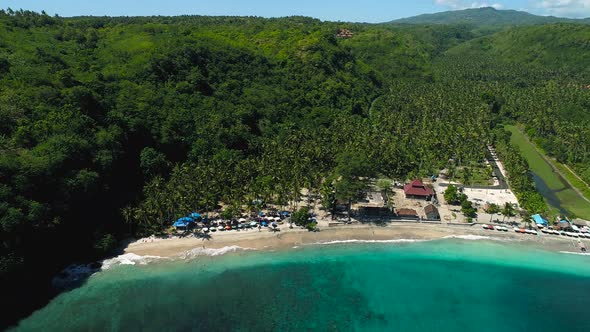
(559, 193)
(480, 175)
(573, 179)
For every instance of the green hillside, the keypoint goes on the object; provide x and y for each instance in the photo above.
(487, 16)
(113, 128)
(554, 46)
(100, 117)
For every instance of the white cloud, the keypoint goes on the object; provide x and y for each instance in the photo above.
(464, 4)
(570, 8)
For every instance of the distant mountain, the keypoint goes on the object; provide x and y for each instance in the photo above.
(486, 16)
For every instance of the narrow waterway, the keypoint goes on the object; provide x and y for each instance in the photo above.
(549, 194)
(556, 190)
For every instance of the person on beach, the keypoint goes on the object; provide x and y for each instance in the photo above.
(259, 228)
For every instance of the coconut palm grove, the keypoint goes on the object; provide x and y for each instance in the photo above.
(115, 127)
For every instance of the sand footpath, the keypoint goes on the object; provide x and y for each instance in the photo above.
(289, 238)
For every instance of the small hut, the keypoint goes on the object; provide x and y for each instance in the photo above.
(418, 190)
(431, 212)
(407, 214)
(344, 33)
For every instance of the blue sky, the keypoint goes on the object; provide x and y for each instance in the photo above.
(334, 10)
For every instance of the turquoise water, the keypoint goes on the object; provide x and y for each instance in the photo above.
(445, 285)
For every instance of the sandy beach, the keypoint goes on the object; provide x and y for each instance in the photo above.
(289, 238)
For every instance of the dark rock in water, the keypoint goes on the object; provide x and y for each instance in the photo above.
(74, 275)
(96, 265)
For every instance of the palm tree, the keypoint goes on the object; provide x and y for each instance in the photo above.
(507, 211)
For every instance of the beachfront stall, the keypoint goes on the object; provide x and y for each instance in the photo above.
(184, 223)
(540, 221)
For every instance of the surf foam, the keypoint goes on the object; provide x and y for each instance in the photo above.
(576, 253)
(196, 252)
(472, 237)
(369, 241)
(128, 259)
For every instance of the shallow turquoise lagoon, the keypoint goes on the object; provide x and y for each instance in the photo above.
(447, 285)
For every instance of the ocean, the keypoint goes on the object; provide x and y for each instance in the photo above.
(443, 285)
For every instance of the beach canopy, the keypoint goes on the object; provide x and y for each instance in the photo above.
(195, 215)
(253, 223)
(277, 218)
(184, 222)
(284, 213)
(261, 214)
(264, 223)
(241, 219)
(539, 220)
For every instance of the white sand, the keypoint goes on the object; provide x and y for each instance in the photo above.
(289, 238)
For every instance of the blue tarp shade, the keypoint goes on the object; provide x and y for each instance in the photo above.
(195, 215)
(184, 222)
(539, 220)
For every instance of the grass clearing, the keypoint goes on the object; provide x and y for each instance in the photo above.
(479, 175)
(573, 179)
(568, 198)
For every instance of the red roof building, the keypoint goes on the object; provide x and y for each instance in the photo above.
(344, 33)
(407, 213)
(417, 189)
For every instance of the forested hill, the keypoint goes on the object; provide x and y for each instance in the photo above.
(487, 16)
(560, 46)
(115, 127)
(92, 110)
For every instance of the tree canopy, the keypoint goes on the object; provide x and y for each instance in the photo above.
(114, 127)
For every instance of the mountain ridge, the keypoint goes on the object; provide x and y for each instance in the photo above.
(486, 16)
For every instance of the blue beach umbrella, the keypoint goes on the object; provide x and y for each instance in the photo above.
(184, 222)
(195, 215)
(264, 223)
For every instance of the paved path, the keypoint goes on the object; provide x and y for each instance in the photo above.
(373, 104)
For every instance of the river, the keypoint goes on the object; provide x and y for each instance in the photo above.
(557, 191)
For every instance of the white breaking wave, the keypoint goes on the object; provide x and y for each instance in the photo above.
(369, 241)
(474, 237)
(128, 259)
(575, 253)
(211, 252)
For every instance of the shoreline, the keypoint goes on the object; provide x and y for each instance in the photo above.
(287, 238)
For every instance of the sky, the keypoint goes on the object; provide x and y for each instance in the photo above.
(373, 11)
